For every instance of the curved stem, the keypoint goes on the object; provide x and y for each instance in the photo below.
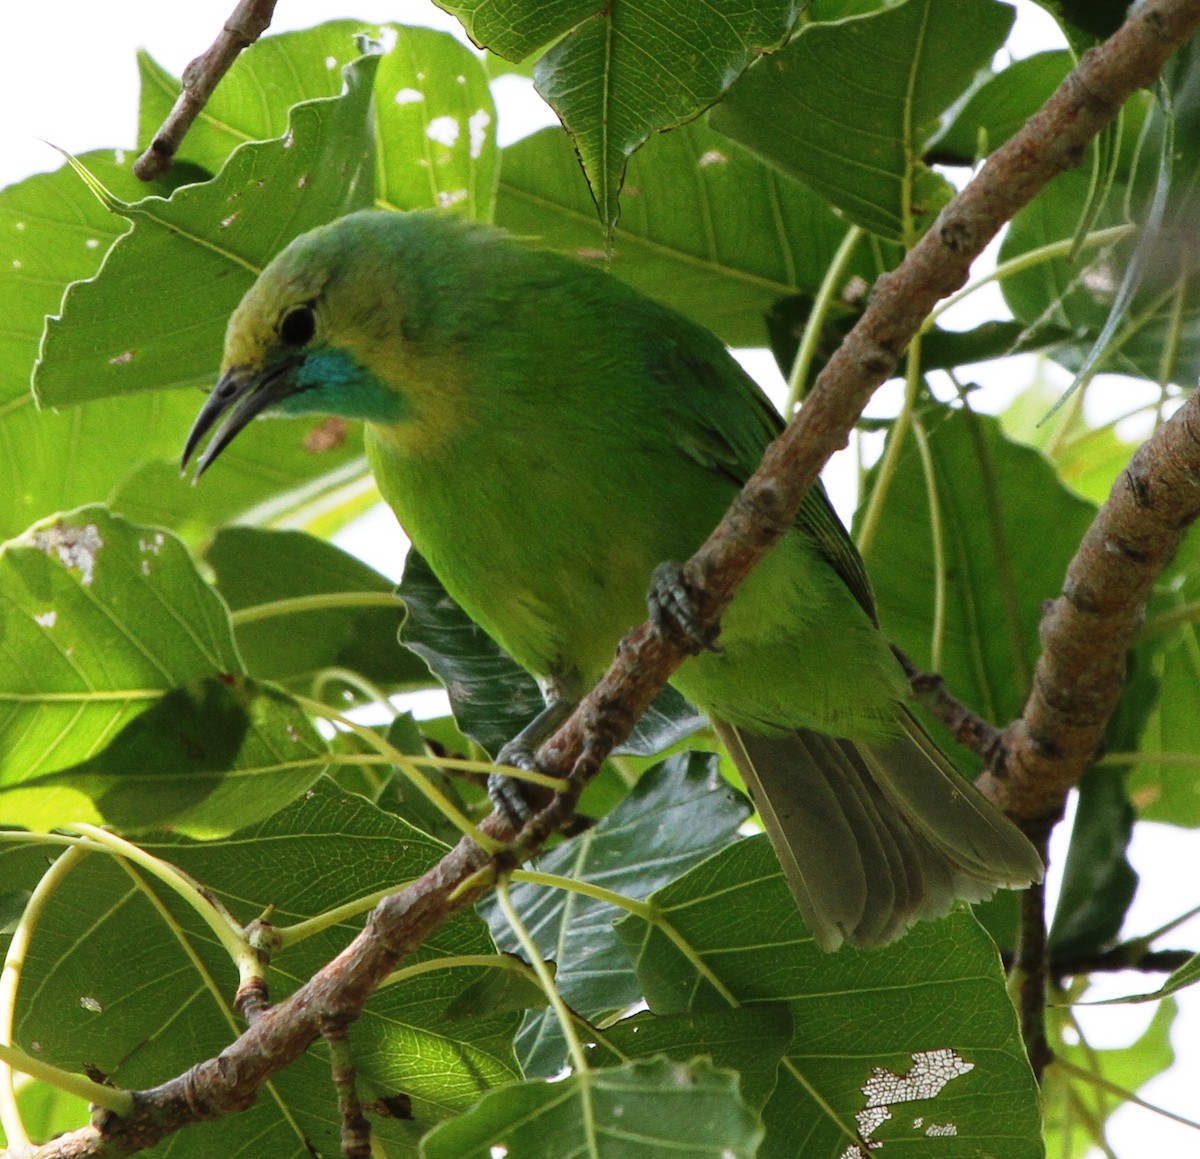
(810, 339)
(408, 767)
(937, 635)
(1030, 260)
(891, 454)
(458, 962)
(565, 1021)
(10, 981)
(318, 602)
(111, 1098)
(297, 932)
(226, 929)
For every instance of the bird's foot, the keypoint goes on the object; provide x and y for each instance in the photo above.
(518, 800)
(507, 793)
(673, 609)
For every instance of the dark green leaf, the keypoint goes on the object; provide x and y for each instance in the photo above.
(675, 816)
(616, 74)
(1098, 881)
(491, 696)
(849, 107)
(257, 568)
(999, 107)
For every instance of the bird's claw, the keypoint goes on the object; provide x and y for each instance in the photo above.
(673, 609)
(507, 793)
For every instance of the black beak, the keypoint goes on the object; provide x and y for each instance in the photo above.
(240, 395)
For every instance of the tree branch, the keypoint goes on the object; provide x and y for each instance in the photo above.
(1088, 630)
(250, 19)
(1053, 140)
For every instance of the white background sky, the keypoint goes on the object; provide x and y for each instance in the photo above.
(68, 75)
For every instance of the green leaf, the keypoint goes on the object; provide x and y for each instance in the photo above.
(188, 261)
(617, 74)
(1077, 1110)
(119, 687)
(432, 90)
(649, 1109)
(350, 625)
(849, 107)
(721, 246)
(748, 1039)
(676, 815)
(925, 1021)
(252, 101)
(167, 1006)
(999, 107)
(57, 232)
(991, 494)
(1098, 881)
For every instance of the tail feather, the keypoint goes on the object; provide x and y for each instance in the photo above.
(874, 837)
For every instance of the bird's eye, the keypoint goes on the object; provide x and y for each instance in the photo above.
(298, 326)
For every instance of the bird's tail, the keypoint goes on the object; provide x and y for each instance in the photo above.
(873, 837)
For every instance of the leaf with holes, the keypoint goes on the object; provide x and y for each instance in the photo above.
(925, 1021)
(121, 692)
(189, 260)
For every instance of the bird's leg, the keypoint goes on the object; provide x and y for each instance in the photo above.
(508, 794)
(673, 611)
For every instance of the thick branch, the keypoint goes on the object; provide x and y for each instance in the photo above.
(1054, 140)
(250, 19)
(1088, 630)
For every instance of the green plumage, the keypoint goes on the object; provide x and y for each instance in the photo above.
(547, 436)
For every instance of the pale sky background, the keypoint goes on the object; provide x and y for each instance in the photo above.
(68, 75)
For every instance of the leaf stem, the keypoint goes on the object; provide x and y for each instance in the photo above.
(1029, 260)
(1103, 1084)
(408, 767)
(810, 339)
(457, 962)
(298, 931)
(10, 981)
(938, 632)
(891, 453)
(111, 1098)
(227, 930)
(317, 602)
(565, 1021)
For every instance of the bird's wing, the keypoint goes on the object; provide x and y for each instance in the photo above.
(724, 421)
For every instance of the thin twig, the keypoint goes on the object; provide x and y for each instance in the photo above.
(356, 1128)
(967, 727)
(250, 19)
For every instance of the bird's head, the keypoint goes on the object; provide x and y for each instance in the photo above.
(326, 329)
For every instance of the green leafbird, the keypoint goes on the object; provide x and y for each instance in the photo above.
(547, 436)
